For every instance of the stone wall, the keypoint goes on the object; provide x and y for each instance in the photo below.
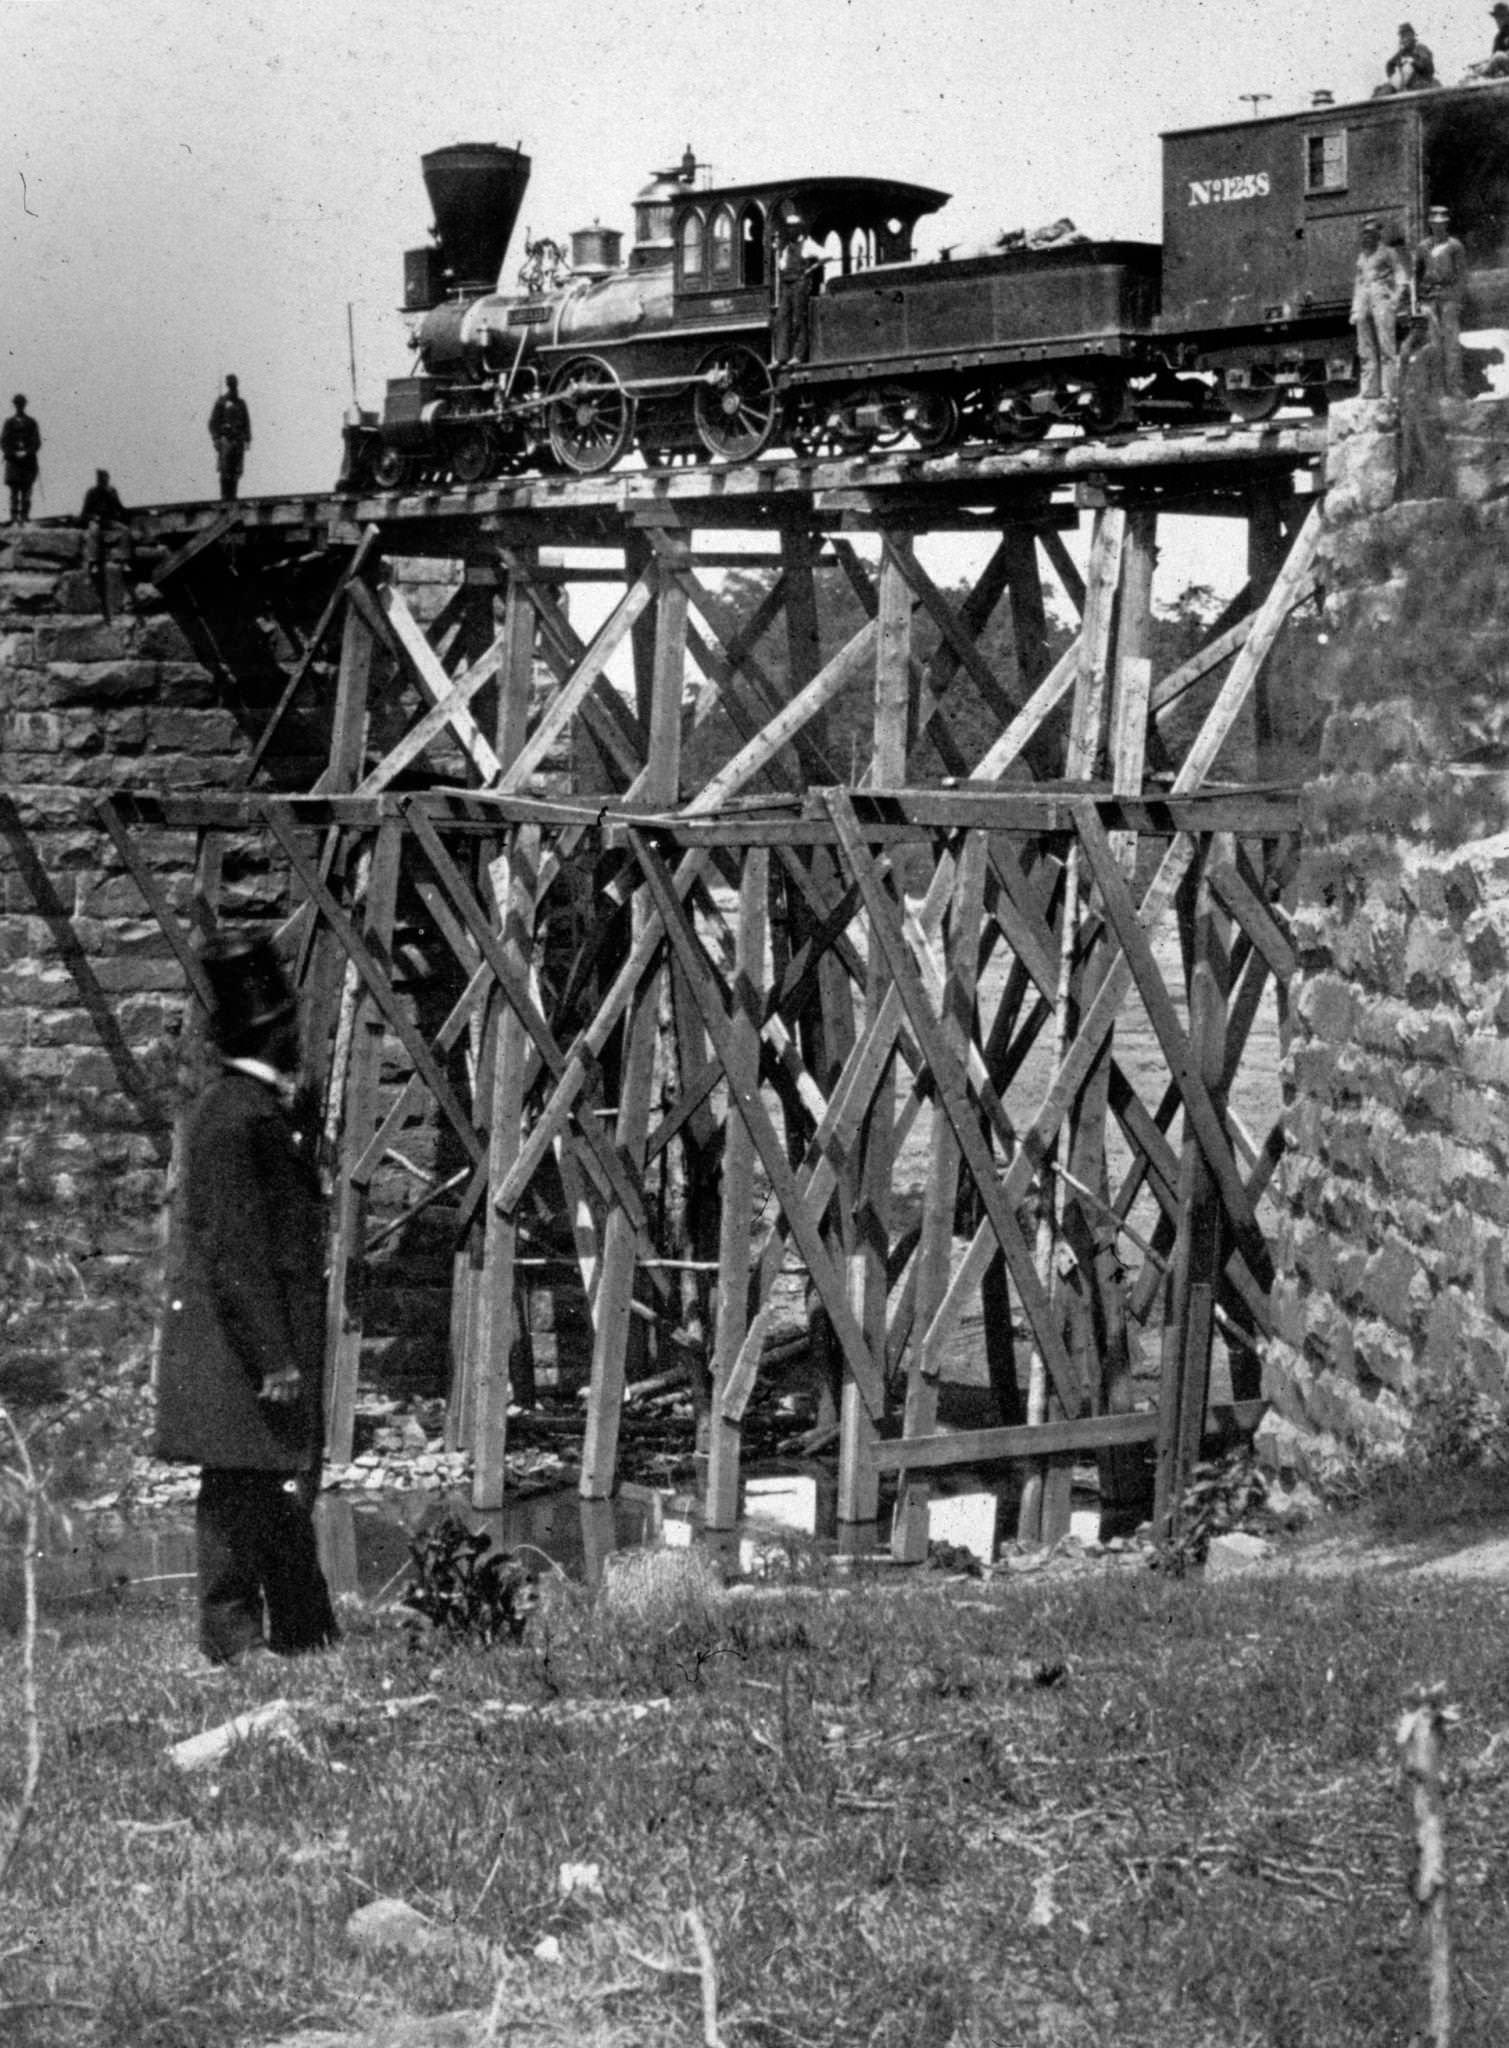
(92, 999)
(1395, 1187)
(90, 995)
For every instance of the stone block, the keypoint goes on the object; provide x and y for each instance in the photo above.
(1329, 1006)
(31, 732)
(80, 643)
(1362, 460)
(180, 729)
(1393, 1284)
(28, 591)
(162, 639)
(37, 546)
(102, 682)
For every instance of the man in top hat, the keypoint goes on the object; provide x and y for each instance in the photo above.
(239, 1380)
(1440, 287)
(230, 430)
(20, 445)
(1378, 288)
(797, 278)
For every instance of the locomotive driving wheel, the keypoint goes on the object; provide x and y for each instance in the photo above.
(590, 416)
(735, 403)
(471, 456)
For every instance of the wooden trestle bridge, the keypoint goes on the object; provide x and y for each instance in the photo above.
(701, 1021)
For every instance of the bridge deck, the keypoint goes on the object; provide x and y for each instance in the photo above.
(1208, 469)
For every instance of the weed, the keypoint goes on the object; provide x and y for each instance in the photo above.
(468, 1590)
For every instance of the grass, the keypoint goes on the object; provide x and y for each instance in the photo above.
(897, 1825)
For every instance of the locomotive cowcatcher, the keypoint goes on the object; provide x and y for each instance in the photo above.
(796, 312)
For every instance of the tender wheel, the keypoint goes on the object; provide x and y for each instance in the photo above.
(1102, 403)
(1015, 419)
(735, 407)
(590, 416)
(1259, 402)
(392, 470)
(935, 420)
(471, 457)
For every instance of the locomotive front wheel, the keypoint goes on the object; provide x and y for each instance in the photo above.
(392, 469)
(735, 404)
(471, 457)
(590, 417)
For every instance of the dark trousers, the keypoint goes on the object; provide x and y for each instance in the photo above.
(256, 1547)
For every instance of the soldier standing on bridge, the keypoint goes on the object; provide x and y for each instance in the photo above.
(20, 444)
(1378, 289)
(1440, 285)
(230, 430)
(103, 518)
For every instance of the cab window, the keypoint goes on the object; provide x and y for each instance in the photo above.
(752, 246)
(723, 244)
(691, 248)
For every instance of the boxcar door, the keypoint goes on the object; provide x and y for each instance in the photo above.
(1354, 164)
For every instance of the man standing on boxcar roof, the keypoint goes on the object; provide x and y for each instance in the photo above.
(1412, 66)
(239, 1381)
(1441, 286)
(230, 430)
(1377, 291)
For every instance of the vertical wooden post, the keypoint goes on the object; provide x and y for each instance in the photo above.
(346, 1282)
(935, 1249)
(1200, 1249)
(615, 1288)
(870, 1230)
(722, 1504)
(472, 1322)
(1044, 1513)
(1265, 558)
(515, 883)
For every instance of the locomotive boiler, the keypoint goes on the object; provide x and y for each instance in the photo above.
(796, 313)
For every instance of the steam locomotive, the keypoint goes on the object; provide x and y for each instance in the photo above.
(796, 313)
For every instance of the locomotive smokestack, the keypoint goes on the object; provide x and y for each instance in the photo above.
(476, 190)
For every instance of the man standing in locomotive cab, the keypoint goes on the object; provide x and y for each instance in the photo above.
(1377, 292)
(20, 444)
(797, 279)
(230, 430)
(1412, 67)
(1441, 286)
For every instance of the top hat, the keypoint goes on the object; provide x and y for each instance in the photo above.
(248, 987)
(1500, 8)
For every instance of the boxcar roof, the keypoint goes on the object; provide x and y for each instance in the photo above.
(1382, 105)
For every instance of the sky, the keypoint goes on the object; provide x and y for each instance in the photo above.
(188, 189)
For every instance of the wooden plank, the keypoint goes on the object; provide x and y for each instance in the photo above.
(425, 666)
(909, 1527)
(1198, 1106)
(1063, 567)
(365, 549)
(376, 980)
(721, 1500)
(1020, 1440)
(492, 1334)
(428, 727)
(564, 705)
(349, 1203)
(657, 784)
(952, 1090)
(799, 1216)
(1255, 919)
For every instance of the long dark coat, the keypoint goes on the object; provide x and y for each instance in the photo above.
(246, 1290)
